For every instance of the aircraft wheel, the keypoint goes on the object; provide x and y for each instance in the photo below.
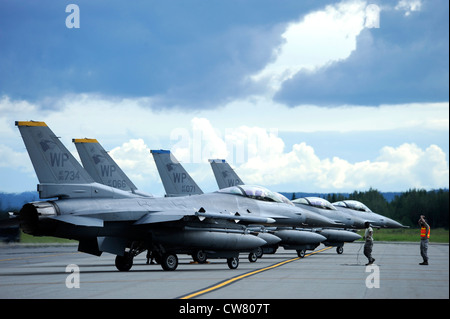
(259, 252)
(301, 253)
(233, 262)
(252, 257)
(199, 256)
(169, 262)
(124, 263)
(340, 250)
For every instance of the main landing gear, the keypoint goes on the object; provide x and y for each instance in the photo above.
(200, 257)
(168, 260)
(124, 263)
(301, 253)
(233, 262)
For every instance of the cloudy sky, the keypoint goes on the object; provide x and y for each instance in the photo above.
(313, 96)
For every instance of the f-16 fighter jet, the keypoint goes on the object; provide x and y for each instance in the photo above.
(226, 176)
(106, 219)
(284, 213)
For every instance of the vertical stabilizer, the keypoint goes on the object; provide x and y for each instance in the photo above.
(224, 174)
(52, 162)
(176, 181)
(59, 173)
(101, 166)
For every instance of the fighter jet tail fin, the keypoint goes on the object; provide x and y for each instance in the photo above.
(224, 174)
(176, 181)
(59, 173)
(52, 162)
(100, 166)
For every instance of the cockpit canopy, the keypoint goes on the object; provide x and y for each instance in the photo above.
(315, 202)
(256, 192)
(353, 204)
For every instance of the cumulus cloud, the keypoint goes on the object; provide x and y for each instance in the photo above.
(415, 166)
(13, 159)
(199, 144)
(400, 167)
(405, 60)
(203, 141)
(250, 134)
(231, 100)
(409, 6)
(268, 162)
(134, 158)
(319, 38)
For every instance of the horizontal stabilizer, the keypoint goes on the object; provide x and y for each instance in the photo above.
(79, 220)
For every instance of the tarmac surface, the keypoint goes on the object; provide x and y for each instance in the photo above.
(30, 272)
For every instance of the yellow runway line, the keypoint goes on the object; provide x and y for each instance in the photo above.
(234, 279)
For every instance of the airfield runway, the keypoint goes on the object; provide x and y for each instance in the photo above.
(40, 272)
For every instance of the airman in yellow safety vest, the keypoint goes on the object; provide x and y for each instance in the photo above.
(424, 236)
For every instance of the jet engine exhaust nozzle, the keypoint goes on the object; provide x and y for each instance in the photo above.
(34, 218)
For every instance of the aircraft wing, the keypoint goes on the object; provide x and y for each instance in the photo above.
(160, 217)
(79, 220)
(166, 216)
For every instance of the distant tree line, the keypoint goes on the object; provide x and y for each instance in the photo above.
(15, 201)
(407, 207)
